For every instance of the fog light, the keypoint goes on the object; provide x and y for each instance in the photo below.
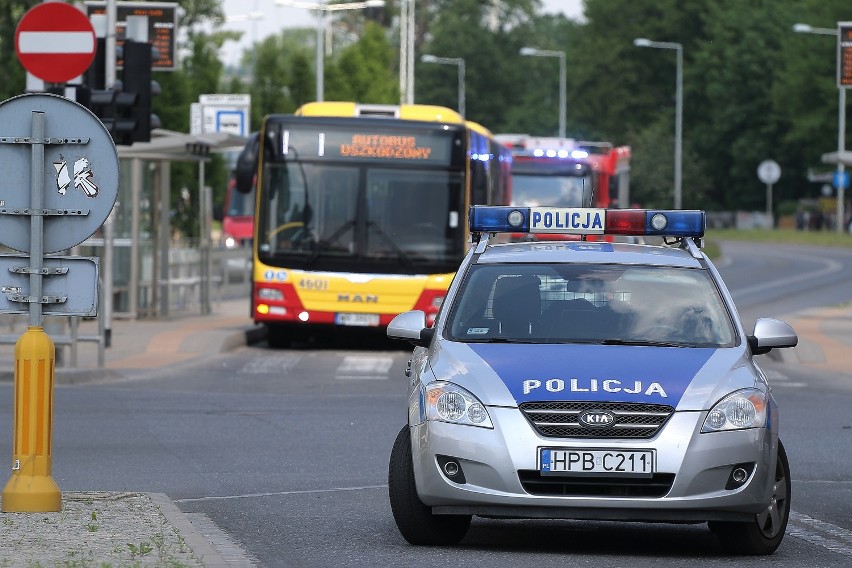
(451, 468)
(739, 475)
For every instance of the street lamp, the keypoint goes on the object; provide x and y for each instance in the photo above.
(678, 150)
(841, 130)
(532, 51)
(321, 9)
(450, 61)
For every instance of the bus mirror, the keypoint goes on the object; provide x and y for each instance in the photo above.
(247, 165)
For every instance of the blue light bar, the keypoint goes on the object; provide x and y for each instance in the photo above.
(586, 221)
(489, 219)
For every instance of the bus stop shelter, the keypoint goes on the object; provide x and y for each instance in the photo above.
(142, 214)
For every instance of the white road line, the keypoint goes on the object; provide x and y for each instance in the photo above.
(364, 367)
(278, 493)
(277, 364)
(829, 267)
(819, 533)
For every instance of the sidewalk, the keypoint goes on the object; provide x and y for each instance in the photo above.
(140, 529)
(139, 346)
(126, 529)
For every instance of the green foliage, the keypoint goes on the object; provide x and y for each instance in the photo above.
(14, 75)
(363, 72)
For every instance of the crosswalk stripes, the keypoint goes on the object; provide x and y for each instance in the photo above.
(778, 379)
(364, 367)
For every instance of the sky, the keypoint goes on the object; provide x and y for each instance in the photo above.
(276, 17)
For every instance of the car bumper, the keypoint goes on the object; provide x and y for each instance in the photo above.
(695, 469)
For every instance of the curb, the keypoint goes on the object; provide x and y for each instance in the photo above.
(201, 547)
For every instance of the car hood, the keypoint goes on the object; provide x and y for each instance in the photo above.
(501, 374)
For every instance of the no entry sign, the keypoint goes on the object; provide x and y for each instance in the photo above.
(55, 42)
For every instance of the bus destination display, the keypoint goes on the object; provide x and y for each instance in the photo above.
(344, 144)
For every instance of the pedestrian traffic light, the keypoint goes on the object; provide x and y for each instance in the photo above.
(137, 80)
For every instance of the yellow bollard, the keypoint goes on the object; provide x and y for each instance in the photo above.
(31, 488)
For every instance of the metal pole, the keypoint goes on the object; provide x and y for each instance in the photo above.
(678, 128)
(36, 220)
(562, 95)
(841, 145)
(403, 48)
(409, 86)
(461, 87)
(320, 55)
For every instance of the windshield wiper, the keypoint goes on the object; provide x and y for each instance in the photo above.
(641, 342)
(406, 260)
(325, 244)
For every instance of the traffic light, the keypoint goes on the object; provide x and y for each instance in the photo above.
(115, 107)
(137, 80)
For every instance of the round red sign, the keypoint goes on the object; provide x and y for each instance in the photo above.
(55, 42)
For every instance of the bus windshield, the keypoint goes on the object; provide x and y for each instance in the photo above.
(335, 214)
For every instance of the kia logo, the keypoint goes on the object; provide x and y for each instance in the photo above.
(596, 418)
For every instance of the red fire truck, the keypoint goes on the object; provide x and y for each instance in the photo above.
(565, 172)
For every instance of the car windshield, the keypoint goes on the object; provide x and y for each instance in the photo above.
(605, 304)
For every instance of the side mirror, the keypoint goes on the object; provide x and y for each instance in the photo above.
(770, 334)
(247, 164)
(411, 326)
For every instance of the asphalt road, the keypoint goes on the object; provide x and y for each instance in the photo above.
(286, 451)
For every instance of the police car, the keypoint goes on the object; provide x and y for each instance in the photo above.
(590, 380)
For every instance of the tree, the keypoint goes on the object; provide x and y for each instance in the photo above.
(14, 75)
(364, 71)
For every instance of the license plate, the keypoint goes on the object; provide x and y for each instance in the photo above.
(633, 463)
(364, 320)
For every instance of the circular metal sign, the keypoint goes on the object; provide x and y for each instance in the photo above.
(769, 171)
(55, 42)
(79, 179)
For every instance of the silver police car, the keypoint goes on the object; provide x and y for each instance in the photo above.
(590, 380)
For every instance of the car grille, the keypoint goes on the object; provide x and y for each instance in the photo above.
(582, 486)
(632, 420)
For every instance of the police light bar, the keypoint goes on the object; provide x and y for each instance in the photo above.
(586, 221)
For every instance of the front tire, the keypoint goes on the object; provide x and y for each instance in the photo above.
(762, 535)
(415, 520)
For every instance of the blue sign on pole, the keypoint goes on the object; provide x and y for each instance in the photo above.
(841, 180)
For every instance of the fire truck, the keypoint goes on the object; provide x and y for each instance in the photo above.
(564, 172)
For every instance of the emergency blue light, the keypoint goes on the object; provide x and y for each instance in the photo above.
(586, 221)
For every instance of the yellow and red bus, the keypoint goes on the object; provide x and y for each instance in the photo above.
(361, 211)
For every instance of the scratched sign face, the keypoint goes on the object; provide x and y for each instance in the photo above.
(77, 165)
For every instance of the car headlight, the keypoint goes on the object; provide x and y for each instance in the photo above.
(448, 402)
(742, 409)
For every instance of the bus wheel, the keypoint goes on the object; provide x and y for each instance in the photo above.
(278, 336)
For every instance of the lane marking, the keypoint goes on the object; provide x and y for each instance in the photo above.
(820, 533)
(278, 493)
(364, 367)
(830, 267)
(277, 365)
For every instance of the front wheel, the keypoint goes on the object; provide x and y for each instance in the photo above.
(762, 535)
(415, 520)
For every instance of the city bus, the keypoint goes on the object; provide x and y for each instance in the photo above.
(361, 211)
(563, 172)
